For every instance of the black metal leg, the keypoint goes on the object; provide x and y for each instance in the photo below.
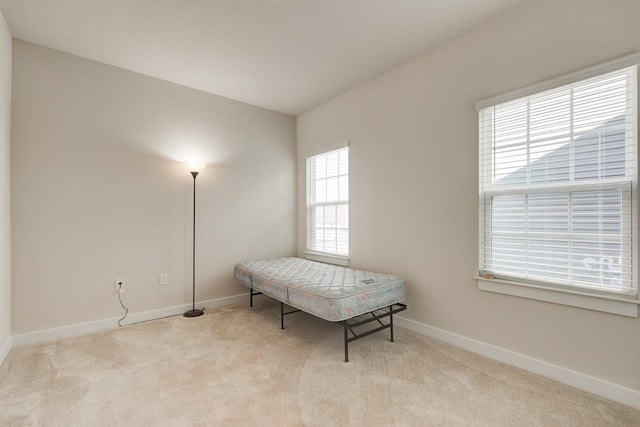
(391, 321)
(346, 344)
(251, 295)
(281, 315)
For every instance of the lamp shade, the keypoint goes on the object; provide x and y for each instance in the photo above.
(195, 166)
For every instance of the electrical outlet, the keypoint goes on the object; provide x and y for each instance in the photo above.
(120, 286)
(164, 279)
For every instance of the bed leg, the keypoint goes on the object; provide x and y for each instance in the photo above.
(391, 321)
(281, 315)
(346, 344)
(251, 297)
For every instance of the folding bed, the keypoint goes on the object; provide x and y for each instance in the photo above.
(349, 297)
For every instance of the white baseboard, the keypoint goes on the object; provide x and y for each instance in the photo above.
(575, 379)
(5, 349)
(105, 324)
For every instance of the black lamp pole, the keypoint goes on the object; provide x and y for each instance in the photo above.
(193, 312)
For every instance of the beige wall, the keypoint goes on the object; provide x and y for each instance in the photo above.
(414, 183)
(5, 170)
(98, 192)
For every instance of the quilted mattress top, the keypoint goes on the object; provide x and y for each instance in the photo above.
(323, 280)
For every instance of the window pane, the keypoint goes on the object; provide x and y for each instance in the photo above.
(611, 211)
(332, 163)
(330, 241)
(344, 188)
(318, 214)
(508, 255)
(549, 259)
(330, 216)
(549, 116)
(508, 214)
(612, 148)
(585, 219)
(321, 191)
(510, 141)
(343, 216)
(549, 133)
(320, 167)
(548, 213)
(597, 103)
(333, 190)
(552, 161)
(319, 242)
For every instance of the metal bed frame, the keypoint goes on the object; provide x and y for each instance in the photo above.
(348, 325)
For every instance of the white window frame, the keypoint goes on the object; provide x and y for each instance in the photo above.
(311, 253)
(625, 305)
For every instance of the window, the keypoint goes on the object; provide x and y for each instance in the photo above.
(558, 174)
(328, 203)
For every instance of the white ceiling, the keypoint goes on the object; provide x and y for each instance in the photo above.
(284, 55)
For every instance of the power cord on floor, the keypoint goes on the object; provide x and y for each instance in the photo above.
(126, 310)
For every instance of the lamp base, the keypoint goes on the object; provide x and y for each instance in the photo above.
(193, 313)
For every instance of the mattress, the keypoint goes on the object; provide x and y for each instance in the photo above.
(330, 292)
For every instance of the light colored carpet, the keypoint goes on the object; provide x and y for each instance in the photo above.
(234, 366)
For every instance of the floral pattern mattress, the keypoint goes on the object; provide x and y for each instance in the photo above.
(330, 292)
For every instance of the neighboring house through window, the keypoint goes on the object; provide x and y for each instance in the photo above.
(558, 176)
(328, 203)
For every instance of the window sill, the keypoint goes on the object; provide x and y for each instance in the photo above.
(328, 258)
(604, 303)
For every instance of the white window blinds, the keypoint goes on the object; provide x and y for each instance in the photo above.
(557, 186)
(328, 202)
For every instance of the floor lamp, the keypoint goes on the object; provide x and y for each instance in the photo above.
(194, 168)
